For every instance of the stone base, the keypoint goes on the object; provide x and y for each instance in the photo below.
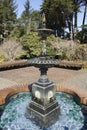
(44, 116)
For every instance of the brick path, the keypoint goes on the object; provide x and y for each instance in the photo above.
(31, 74)
(66, 80)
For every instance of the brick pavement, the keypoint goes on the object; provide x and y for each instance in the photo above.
(66, 80)
(31, 74)
(4, 83)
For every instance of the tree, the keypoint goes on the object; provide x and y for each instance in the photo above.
(26, 16)
(85, 11)
(58, 14)
(36, 20)
(7, 16)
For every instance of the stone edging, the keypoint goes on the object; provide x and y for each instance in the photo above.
(82, 94)
(4, 93)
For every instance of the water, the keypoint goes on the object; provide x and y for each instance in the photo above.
(13, 118)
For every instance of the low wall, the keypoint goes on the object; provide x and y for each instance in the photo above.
(5, 93)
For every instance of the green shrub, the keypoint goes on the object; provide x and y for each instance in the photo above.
(51, 47)
(51, 39)
(17, 32)
(82, 35)
(31, 44)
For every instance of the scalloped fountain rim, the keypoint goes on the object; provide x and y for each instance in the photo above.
(6, 93)
(79, 95)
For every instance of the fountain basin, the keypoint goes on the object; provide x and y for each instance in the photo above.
(12, 96)
(15, 113)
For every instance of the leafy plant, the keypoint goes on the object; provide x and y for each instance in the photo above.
(31, 44)
(82, 35)
(81, 52)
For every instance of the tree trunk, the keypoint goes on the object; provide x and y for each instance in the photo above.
(83, 23)
(75, 24)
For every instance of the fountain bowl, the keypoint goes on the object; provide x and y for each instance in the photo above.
(12, 93)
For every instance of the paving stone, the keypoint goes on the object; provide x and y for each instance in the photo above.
(75, 80)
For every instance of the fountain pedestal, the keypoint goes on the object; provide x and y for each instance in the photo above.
(44, 108)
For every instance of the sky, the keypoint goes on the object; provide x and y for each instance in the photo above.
(80, 17)
(35, 4)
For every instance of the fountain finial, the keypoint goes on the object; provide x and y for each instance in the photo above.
(44, 20)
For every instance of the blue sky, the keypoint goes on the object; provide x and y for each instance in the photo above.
(80, 16)
(35, 4)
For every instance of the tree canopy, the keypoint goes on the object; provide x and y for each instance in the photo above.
(60, 16)
(7, 16)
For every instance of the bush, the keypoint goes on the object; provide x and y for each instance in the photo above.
(31, 44)
(82, 35)
(11, 49)
(81, 52)
(17, 32)
(52, 43)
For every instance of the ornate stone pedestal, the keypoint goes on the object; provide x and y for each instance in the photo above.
(44, 108)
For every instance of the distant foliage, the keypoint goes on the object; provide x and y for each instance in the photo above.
(51, 47)
(11, 50)
(82, 35)
(31, 44)
(17, 32)
(57, 47)
(7, 17)
(81, 52)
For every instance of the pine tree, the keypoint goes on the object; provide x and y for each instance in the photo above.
(26, 16)
(58, 13)
(7, 16)
(36, 20)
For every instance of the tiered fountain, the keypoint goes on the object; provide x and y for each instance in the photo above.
(44, 106)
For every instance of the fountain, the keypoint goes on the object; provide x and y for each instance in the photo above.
(44, 106)
(43, 109)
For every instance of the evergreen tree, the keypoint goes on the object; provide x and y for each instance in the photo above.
(77, 5)
(36, 20)
(25, 17)
(58, 14)
(7, 16)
